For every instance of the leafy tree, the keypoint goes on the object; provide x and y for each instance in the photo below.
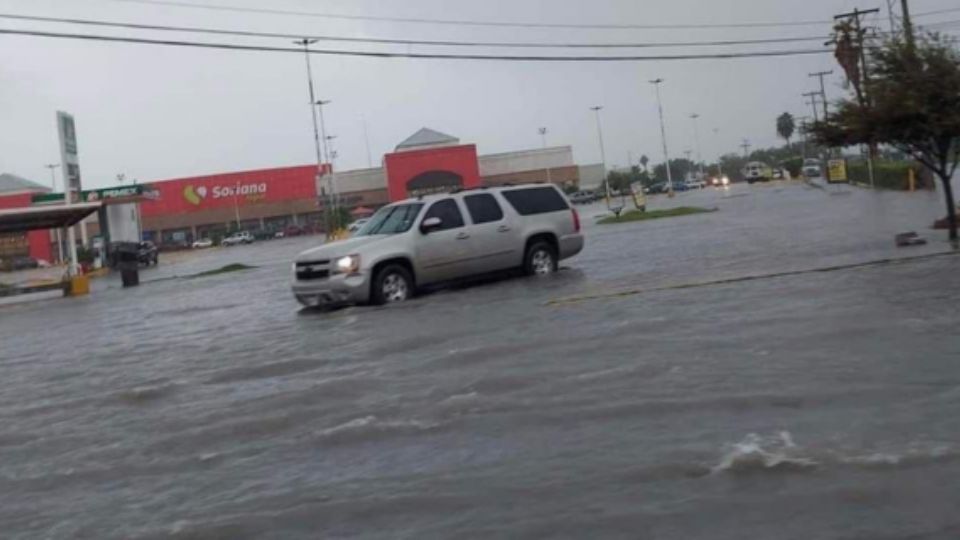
(912, 103)
(643, 161)
(785, 126)
(678, 170)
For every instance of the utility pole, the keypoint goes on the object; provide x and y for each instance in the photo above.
(907, 24)
(328, 200)
(813, 102)
(803, 133)
(663, 135)
(855, 15)
(823, 88)
(746, 148)
(696, 138)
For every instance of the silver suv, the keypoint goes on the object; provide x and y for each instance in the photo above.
(439, 238)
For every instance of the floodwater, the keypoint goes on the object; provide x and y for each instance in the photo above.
(810, 405)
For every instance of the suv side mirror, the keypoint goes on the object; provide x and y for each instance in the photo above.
(430, 224)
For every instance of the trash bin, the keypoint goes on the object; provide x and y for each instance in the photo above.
(128, 262)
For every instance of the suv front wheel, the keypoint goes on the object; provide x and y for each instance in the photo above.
(392, 284)
(540, 260)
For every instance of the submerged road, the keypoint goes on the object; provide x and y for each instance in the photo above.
(611, 400)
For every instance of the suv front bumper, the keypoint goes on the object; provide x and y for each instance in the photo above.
(338, 289)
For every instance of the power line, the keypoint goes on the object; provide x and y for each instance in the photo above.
(430, 56)
(935, 12)
(461, 22)
(246, 33)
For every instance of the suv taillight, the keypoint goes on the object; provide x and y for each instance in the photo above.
(576, 220)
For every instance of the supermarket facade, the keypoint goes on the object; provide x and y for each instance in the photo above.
(181, 210)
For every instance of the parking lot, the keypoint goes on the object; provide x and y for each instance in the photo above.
(692, 377)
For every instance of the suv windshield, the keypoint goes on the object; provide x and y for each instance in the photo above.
(391, 220)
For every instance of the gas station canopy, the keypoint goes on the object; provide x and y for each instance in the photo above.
(44, 217)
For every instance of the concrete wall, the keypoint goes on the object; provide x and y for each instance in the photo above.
(527, 160)
(361, 180)
(591, 176)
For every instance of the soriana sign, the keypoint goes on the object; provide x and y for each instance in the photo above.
(226, 190)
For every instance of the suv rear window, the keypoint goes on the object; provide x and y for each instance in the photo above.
(538, 200)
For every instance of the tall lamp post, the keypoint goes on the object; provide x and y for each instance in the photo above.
(716, 136)
(543, 142)
(603, 155)
(663, 135)
(696, 138)
(334, 197)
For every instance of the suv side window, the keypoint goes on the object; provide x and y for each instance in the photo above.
(448, 212)
(538, 200)
(483, 208)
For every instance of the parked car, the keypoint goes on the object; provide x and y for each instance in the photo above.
(694, 184)
(21, 263)
(292, 230)
(202, 243)
(237, 238)
(438, 238)
(584, 197)
(148, 254)
(757, 171)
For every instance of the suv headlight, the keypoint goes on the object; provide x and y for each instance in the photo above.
(347, 265)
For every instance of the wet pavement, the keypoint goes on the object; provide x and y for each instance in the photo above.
(820, 404)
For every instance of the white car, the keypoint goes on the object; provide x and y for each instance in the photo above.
(695, 184)
(203, 243)
(237, 238)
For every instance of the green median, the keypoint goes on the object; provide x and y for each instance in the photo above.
(637, 215)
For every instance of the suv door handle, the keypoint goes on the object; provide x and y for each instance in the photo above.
(503, 228)
(463, 236)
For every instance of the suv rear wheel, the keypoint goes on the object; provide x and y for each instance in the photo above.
(393, 283)
(540, 260)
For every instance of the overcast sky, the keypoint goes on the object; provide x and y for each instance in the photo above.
(155, 112)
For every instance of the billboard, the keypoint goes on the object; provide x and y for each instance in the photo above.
(197, 194)
(69, 159)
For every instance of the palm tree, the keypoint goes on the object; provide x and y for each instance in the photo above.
(785, 126)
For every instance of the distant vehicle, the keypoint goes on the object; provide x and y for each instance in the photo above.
(695, 184)
(438, 238)
(357, 225)
(757, 171)
(812, 168)
(720, 181)
(202, 243)
(584, 197)
(148, 254)
(680, 186)
(23, 263)
(292, 230)
(237, 238)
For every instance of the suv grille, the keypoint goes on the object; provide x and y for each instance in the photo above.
(307, 271)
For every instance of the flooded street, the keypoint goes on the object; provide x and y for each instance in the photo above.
(643, 392)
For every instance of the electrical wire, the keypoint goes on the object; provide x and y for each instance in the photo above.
(375, 54)
(460, 22)
(246, 33)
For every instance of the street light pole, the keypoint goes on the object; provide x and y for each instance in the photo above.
(696, 138)
(663, 135)
(543, 141)
(313, 113)
(603, 155)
